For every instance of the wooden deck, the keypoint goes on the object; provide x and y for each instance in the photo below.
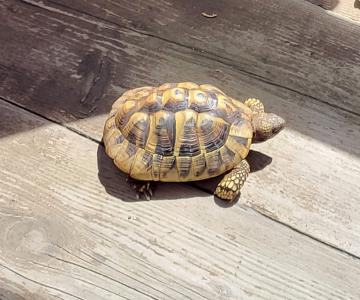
(70, 226)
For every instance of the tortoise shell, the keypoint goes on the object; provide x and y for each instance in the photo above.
(177, 132)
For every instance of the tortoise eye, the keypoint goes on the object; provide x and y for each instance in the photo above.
(276, 129)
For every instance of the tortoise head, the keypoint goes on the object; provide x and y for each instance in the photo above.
(266, 125)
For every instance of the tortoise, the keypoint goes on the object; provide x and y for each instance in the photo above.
(181, 132)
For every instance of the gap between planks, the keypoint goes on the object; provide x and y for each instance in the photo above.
(73, 129)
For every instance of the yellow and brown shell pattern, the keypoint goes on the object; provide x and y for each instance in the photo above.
(177, 132)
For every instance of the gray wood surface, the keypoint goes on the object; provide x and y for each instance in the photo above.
(77, 64)
(71, 229)
(288, 43)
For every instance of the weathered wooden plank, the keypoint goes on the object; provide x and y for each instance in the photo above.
(72, 230)
(288, 43)
(76, 65)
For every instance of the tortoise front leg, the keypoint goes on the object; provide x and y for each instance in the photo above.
(255, 105)
(141, 187)
(229, 187)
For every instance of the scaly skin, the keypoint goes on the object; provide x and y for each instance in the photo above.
(255, 105)
(229, 187)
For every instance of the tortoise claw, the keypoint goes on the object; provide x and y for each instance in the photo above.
(147, 196)
(141, 188)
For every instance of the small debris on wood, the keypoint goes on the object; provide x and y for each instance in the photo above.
(211, 15)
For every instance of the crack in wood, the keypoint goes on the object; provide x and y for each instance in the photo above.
(79, 279)
(40, 283)
(272, 218)
(103, 275)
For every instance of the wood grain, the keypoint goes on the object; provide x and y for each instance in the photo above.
(309, 51)
(77, 64)
(72, 230)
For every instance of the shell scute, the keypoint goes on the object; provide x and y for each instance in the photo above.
(136, 130)
(183, 166)
(175, 99)
(125, 156)
(241, 128)
(161, 133)
(214, 163)
(212, 132)
(151, 103)
(201, 101)
(199, 165)
(228, 156)
(168, 167)
(142, 165)
(187, 143)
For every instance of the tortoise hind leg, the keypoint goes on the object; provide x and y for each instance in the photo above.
(141, 187)
(229, 187)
